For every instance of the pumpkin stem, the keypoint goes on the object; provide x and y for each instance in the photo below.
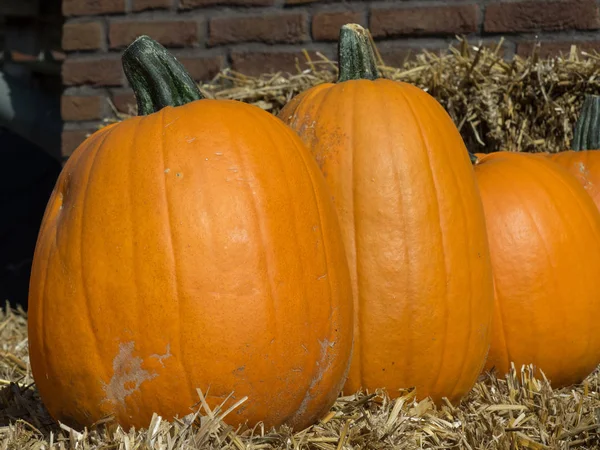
(157, 78)
(587, 128)
(356, 58)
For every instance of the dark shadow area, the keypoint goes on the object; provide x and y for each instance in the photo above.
(30, 133)
(28, 177)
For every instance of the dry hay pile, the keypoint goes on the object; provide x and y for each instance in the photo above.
(517, 412)
(522, 104)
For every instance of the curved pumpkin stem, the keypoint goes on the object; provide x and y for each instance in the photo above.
(157, 78)
(356, 58)
(587, 129)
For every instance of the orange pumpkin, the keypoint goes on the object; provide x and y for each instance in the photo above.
(195, 247)
(583, 161)
(544, 234)
(412, 222)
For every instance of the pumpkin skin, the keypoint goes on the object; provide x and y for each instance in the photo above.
(584, 166)
(414, 230)
(544, 234)
(196, 247)
(583, 161)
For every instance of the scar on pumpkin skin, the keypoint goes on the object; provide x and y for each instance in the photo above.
(325, 357)
(128, 374)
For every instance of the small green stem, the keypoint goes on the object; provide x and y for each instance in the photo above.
(157, 78)
(587, 130)
(356, 58)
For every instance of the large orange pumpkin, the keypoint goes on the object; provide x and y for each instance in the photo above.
(412, 222)
(583, 161)
(196, 247)
(544, 234)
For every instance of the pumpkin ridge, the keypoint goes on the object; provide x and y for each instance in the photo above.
(315, 378)
(544, 246)
(245, 163)
(565, 218)
(460, 377)
(359, 303)
(88, 177)
(569, 186)
(435, 200)
(500, 305)
(178, 351)
(39, 329)
(502, 319)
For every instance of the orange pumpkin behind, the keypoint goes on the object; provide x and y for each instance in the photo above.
(412, 222)
(196, 247)
(544, 234)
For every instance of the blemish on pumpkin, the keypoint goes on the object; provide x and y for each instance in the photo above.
(324, 357)
(179, 175)
(128, 375)
(167, 170)
(238, 235)
(189, 141)
(322, 276)
(585, 173)
(161, 358)
(172, 122)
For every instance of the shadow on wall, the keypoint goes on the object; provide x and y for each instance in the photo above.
(29, 175)
(30, 133)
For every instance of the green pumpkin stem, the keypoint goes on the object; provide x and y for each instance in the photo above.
(587, 128)
(356, 58)
(157, 78)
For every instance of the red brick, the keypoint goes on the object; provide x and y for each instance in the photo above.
(92, 7)
(190, 4)
(427, 20)
(202, 68)
(97, 71)
(256, 63)
(143, 5)
(326, 25)
(548, 49)
(71, 140)
(283, 28)
(82, 36)
(124, 101)
(176, 33)
(541, 15)
(75, 108)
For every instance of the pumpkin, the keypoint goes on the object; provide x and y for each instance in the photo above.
(194, 246)
(544, 234)
(583, 161)
(413, 225)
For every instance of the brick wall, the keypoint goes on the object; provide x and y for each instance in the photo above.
(255, 36)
